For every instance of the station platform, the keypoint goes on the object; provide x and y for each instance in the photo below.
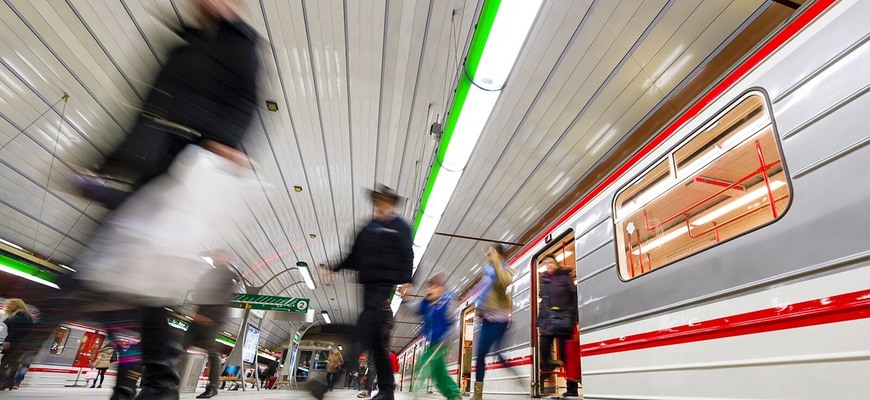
(73, 393)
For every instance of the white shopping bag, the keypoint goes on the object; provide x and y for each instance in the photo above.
(148, 252)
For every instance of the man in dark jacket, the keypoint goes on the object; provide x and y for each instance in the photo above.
(557, 315)
(383, 256)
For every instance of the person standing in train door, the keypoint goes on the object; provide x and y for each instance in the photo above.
(384, 258)
(494, 305)
(557, 315)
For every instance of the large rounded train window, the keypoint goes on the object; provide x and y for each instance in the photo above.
(725, 180)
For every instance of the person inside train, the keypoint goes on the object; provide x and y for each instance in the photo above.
(493, 304)
(384, 258)
(105, 358)
(18, 324)
(557, 315)
(435, 309)
(212, 312)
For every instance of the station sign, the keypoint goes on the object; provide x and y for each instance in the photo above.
(297, 337)
(270, 303)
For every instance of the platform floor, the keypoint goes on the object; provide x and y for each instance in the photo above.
(102, 394)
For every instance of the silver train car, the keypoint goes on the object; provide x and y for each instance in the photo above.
(727, 258)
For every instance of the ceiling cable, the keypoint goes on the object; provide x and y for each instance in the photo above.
(21, 131)
(65, 99)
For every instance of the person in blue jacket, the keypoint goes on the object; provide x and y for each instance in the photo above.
(435, 308)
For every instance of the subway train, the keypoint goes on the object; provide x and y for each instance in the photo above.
(725, 259)
(63, 361)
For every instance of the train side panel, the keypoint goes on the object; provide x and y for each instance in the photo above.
(744, 319)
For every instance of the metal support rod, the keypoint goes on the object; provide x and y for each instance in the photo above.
(479, 239)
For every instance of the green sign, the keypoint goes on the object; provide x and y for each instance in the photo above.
(177, 323)
(270, 303)
(297, 337)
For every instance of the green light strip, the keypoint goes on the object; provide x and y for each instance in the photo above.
(475, 51)
(27, 268)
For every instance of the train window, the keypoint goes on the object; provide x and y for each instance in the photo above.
(59, 341)
(727, 179)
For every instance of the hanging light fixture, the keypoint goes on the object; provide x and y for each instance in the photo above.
(500, 34)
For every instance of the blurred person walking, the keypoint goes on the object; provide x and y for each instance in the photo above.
(494, 306)
(557, 315)
(213, 296)
(333, 367)
(146, 252)
(18, 325)
(383, 256)
(103, 362)
(435, 308)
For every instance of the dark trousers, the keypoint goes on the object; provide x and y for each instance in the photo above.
(373, 334)
(546, 347)
(490, 335)
(161, 346)
(331, 378)
(202, 336)
(10, 366)
(101, 375)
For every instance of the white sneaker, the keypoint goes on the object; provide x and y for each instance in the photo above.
(364, 394)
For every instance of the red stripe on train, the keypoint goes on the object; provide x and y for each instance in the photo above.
(63, 371)
(766, 50)
(840, 308)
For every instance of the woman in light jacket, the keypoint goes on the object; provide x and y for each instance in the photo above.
(102, 362)
(494, 305)
(333, 367)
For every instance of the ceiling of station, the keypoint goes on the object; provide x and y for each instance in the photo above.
(357, 85)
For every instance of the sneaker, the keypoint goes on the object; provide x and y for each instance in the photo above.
(364, 394)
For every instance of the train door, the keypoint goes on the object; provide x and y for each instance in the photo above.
(466, 343)
(89, 345)
(556, 268)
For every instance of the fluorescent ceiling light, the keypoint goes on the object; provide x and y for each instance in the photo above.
(472, 119)
(340, 347)
(561, 256)
(501, 31)
(506, 39)
(739, 202)
(425, 230)
(441, 193)
(209, 260)
(325, 315)
(67, 268)
(662, 240)
(306, 274)
(13, 271)
(690, 170)
(10, 244)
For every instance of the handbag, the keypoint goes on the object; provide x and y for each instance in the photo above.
(561, 321)
(148, 252)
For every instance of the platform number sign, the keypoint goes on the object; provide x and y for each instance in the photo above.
(270, 303)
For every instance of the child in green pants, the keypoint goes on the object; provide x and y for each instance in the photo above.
(435, 308)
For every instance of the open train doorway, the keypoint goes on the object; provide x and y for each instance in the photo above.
(466, 343)
(556, 365)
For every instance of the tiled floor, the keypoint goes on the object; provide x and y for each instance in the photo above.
(102, 394)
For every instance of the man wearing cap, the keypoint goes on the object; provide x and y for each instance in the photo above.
(383, 256)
